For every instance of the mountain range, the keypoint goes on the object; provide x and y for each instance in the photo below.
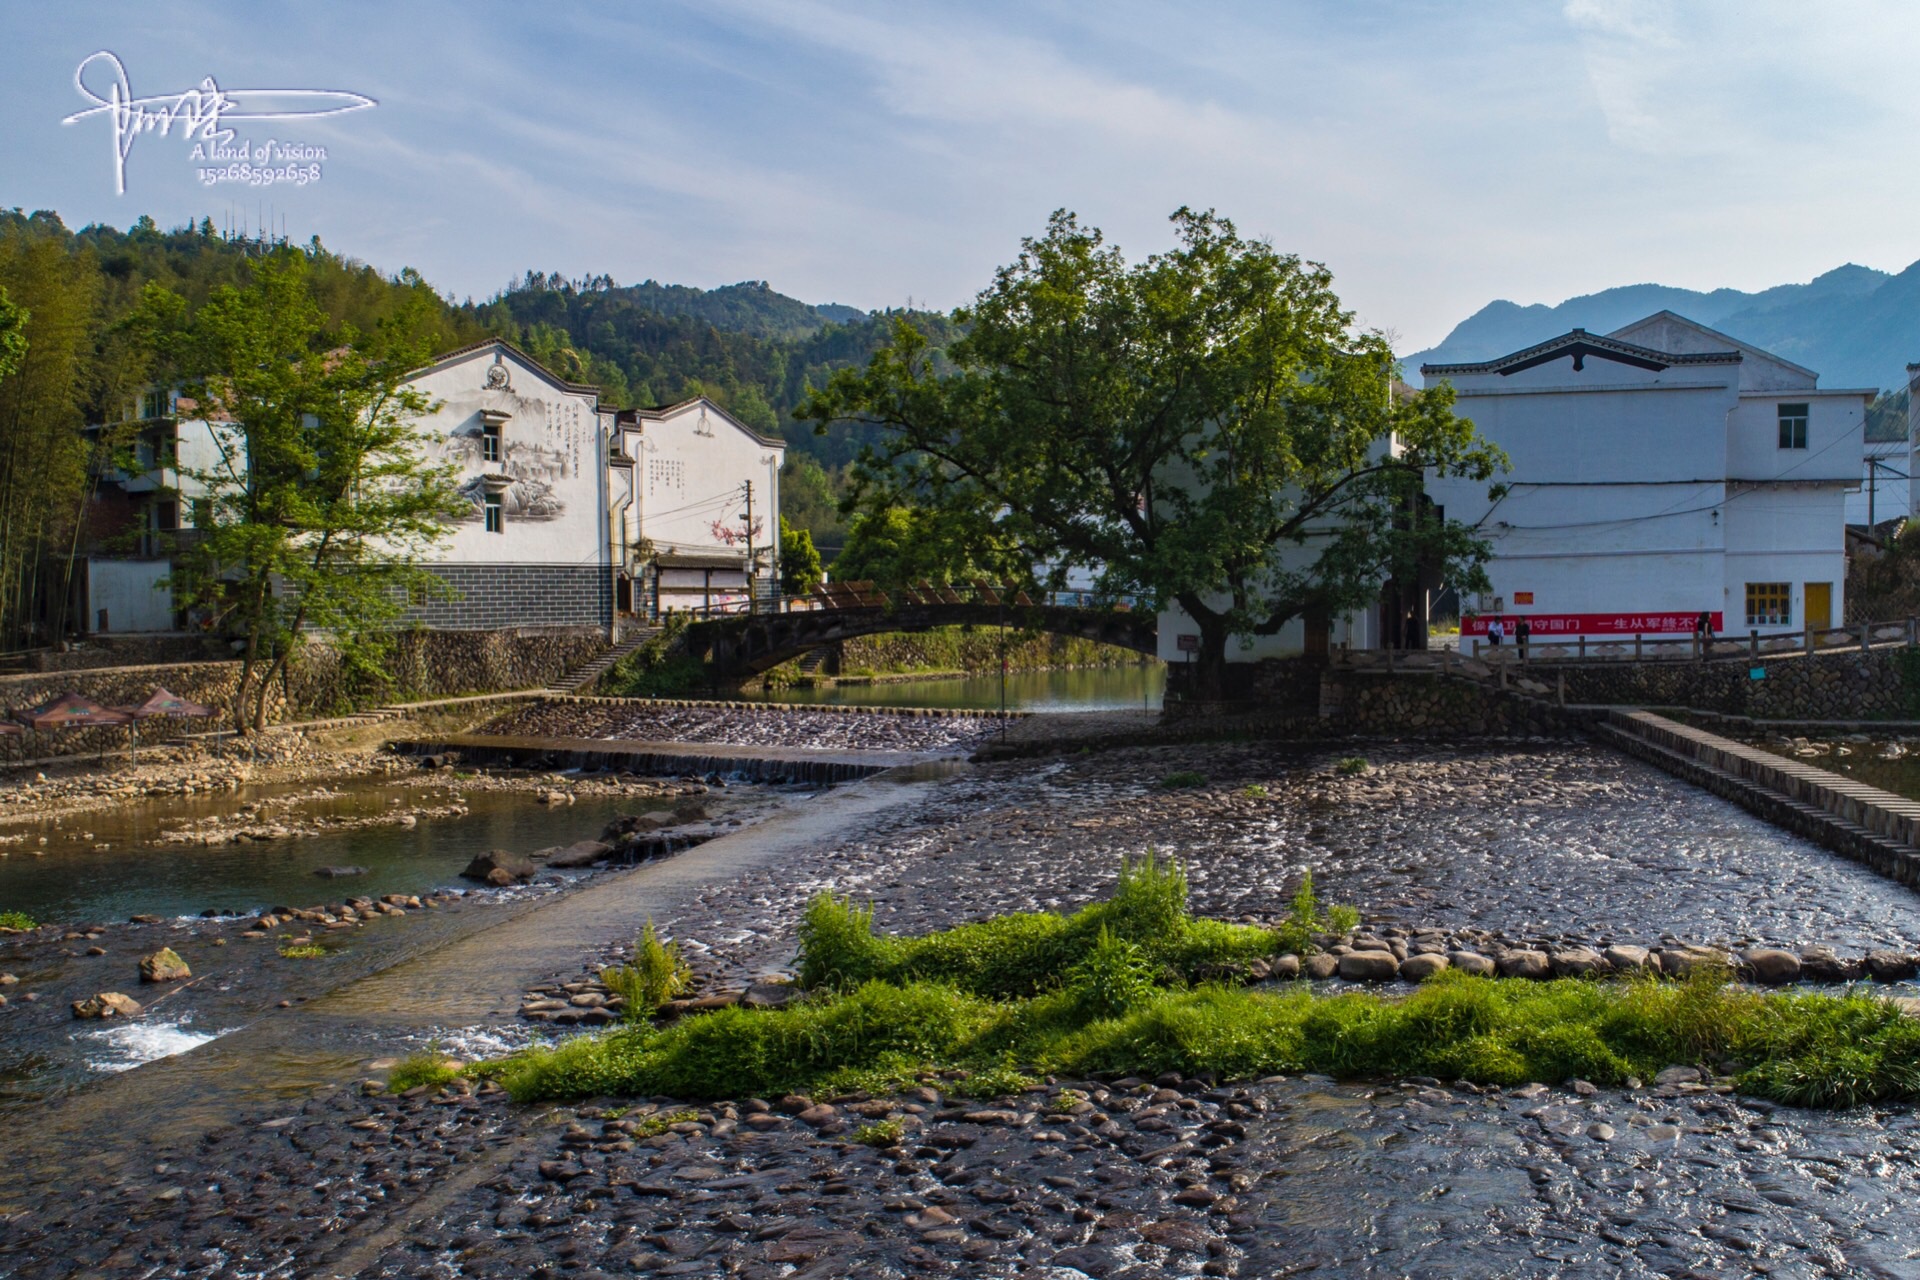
(1854, 326)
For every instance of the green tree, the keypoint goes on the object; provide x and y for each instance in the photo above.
(322, 501)
(13, 334)
(809, 499)
(1206, 427)
(799, 560)
(898, 546)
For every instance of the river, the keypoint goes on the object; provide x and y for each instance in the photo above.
(1091, 689)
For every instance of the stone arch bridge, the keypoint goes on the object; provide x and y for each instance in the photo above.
(737, 646)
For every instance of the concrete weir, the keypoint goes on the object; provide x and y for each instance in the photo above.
(754, 763)
(1869, 825)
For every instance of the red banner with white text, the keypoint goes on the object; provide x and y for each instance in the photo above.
(1543, 625)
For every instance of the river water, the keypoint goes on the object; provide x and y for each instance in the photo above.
(1093, 689)
(108, 866)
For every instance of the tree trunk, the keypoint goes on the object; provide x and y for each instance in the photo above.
(1210, 663)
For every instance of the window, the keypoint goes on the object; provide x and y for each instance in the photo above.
(202, 509)
(490, 442)
(1793, 426)
(1770, 604)
(496, 514)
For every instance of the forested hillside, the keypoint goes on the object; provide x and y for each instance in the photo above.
(747, 347)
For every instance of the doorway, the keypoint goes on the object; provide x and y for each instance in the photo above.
(1819, 611)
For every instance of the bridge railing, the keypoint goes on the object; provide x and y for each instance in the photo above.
(867, 595)
(1860, 636)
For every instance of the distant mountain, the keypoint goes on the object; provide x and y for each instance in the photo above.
(1854, 326)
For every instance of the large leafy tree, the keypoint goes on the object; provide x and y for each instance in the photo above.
(1205, 428)
(321, 501)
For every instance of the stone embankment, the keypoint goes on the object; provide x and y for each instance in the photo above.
(747, 724)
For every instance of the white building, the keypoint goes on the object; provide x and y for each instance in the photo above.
(578, 514)
(1660, 471)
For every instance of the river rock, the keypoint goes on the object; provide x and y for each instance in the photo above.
(1627, 959)
(499, 867)
(583, 854)
(336, 873)
(1471, 962)
(1369, 966)
(1678, 962)
(1820, 964)
(1525, 964)
(1678, 1075)
(108, 1004)
(1889, 966)
(1283, 968)
(769, 995)
(1321, 965)
(1578, 962)
(1771, 965)
(164, 965)
(1421, 967)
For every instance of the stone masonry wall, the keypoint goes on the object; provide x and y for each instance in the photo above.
(424, 664)
(1837, 685)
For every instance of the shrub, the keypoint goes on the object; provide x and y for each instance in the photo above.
(302, 950)
(17, 920)
(1350, 765)
(1303, 920)
(1184, 778)
(656, 975)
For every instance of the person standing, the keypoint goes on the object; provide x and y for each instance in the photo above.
(1703, 633)
(1522, 632)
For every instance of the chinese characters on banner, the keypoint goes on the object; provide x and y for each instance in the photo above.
(1543, 625)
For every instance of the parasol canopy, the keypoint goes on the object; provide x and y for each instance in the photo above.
(163, 703)
(71, 711)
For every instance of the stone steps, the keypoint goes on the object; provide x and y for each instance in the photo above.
(589, 672)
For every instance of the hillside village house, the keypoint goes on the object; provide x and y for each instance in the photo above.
(580, 515)
(1660, 471)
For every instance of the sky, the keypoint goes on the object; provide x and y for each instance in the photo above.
(1434, 155)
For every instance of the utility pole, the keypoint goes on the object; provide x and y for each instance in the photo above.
(752, 594)
(1873, 474)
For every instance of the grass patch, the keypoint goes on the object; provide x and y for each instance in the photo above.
(1184, 778)
(1349, 766)
(1254, 791)
(428, 1067)
(1118, 988)
(658, 1123)
(881, 1133)
(17, 920)
(656, 975)
(302, 950)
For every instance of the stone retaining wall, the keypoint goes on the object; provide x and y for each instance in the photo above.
(1845, 684)
(424, 664)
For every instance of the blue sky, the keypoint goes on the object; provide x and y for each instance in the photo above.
(1435, 156)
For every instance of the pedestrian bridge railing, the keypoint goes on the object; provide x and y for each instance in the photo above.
(1860, 636)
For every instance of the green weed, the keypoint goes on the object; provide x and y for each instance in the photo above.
(656, 975)
(17, 920)
(428, 1067)
(302, 950)
(1254, 791)
(1350, 765)
(1304, 920)
(1183, 778)
(881, 1133)
(661, 1121)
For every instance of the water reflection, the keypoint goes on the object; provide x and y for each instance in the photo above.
(1099, 689)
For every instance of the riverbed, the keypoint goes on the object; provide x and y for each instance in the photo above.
(1550, 839)
(1090, 689)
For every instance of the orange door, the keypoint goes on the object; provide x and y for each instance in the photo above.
(1819, 605)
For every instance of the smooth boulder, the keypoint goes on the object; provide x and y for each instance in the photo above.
(1889, 966)
(1369, 966)
(337, 873)
(1525, 964)
(1418, 968)
(499, 868)
(164, 965)
(583, 853)
(1627, 959)
(1578, 962)
(1471, 962)
(1771, 965)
